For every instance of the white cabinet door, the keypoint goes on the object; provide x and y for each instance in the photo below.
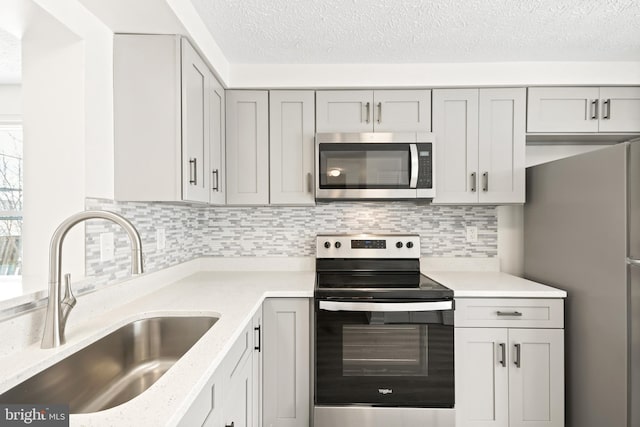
(286, 362)
(238, 407)
(501, 147)
(402, 111)
(563, 109)
(482, 380)
(455, 125)
(536, 377)
(344, 111)
(291, 147)
(237, 377)
(195, 125)
(619, 109)
(247, 147)
(217, 194)
(215, 394)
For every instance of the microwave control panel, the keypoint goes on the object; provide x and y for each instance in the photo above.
(425, 165)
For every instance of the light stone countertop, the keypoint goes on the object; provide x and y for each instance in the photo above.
(206, 288)
(488, 284)
(234, 296)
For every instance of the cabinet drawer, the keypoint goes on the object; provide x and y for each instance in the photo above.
(509, 313)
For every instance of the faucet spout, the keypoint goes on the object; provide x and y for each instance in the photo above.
(59, 306)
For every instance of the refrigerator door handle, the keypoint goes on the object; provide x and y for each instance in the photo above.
(633, 262)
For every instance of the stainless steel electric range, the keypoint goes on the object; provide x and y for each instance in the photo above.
(383, 335)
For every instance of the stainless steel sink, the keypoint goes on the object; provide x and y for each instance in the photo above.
(116, 368)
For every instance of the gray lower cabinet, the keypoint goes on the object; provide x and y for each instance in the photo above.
(264, 379)
(509, 363)
(286, 399)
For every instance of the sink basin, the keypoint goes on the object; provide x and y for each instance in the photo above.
(116, 368)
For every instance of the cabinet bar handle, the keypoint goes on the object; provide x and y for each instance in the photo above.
(310, 182)
(503, 354)
(379, 112)
(474, 182)
(217, 180)
(517, 360)
(485, 181)
(606, 109)
(508, 313)
(368, 107)
(259, 346)
(594, 109)
(193, 171)
(230, 425)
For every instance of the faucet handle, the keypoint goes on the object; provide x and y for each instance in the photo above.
(68, 299)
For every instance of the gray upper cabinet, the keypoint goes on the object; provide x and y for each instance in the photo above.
(369, 111)
(247, 147)
(583, 109)
(163, 120)
(620, 109)
(196, 79)
(217, 147)
(402, 110)
(480, 138)
(291, 147)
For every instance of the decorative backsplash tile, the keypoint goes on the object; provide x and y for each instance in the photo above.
(195, 230)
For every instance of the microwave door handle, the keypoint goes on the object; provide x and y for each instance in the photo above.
(413, 182)
(385, 306)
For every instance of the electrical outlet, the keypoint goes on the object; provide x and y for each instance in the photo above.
(472, 234)
(161, 239)
(107, 247)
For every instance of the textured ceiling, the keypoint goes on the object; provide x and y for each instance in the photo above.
(414, 31)
(10, 58)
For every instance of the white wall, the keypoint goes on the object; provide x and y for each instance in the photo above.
(10, 102)
(433, 75)
(511, 239)
(54, 126)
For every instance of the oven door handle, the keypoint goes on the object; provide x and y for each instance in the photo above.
(386, 306)
(413, 181)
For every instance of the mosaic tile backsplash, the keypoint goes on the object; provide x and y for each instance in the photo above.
(195, 230)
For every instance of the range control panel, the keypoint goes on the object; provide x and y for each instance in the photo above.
(368, 246)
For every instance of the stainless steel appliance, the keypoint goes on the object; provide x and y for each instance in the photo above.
(383, 335)
(375, 165)
(582, 234)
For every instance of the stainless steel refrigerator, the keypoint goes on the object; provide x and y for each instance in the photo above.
(582, 234)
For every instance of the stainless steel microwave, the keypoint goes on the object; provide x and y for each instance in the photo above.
(376, 165)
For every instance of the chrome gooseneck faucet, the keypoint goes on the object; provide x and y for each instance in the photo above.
(59, 307)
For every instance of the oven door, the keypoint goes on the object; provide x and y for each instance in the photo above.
(367, 170)
(384, 353)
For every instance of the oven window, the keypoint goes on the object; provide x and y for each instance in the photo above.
(384, 350)
(360, 166)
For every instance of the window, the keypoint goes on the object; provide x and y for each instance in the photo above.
(10, 199)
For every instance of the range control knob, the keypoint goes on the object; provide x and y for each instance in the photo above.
(327, 245)
(399, 245)
(337, 245)
(409, 245)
